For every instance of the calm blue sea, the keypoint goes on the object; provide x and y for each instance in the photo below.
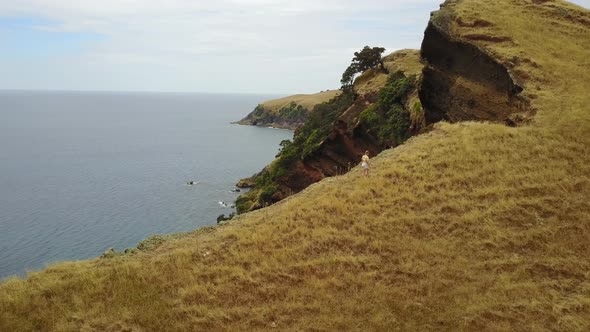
(81, 172)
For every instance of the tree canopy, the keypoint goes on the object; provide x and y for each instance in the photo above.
(367, 58)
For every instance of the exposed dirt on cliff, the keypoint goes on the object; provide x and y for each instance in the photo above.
(463, 82)
(348, 140)
(337, 154)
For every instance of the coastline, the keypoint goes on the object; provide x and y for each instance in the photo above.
(95, 184)
(272, 125)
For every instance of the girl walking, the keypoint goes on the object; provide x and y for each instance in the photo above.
(365, 163)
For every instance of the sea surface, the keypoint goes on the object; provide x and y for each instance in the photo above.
(81, 172)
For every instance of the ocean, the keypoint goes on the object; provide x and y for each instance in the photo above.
(81, 172)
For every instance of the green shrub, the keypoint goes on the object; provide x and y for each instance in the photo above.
(306, 140)
(261, 115)
(293, 112)
(245, 201)
(369, 117)
(259, 111)
(278, 171)
(316, 128)
(417, 108)
(267, 192)
(398, 122)
(396, 90)
(311, 143)
(387, 119)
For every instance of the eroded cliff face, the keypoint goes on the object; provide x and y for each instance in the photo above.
(462, 81)
(348, 137)
(337, 154)
(457, 80)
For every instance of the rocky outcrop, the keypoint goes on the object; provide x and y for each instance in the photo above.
(288, 112)
(291, 117)
(247, 182)
(462, 81)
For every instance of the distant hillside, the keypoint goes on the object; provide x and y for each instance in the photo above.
(480, 225)
(291, 112)
(287, 112)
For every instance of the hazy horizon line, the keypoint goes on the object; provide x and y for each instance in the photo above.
(2, 90)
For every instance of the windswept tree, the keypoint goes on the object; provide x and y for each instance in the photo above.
(367, 58)
(348, 77)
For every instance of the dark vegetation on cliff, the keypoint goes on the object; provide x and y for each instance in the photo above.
(472, 226)
(363, 60)
(305, 141)
(291, 115)
(287, 112)
(388, 120)
(380, 111)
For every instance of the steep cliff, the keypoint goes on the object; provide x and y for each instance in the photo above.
(382, 111)
(461, 80)
(454, 77)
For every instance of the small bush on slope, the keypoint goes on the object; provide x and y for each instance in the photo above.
(387, 119)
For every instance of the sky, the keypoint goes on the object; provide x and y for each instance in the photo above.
(222, 46)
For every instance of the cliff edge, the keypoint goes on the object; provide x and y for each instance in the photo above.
(463, 80)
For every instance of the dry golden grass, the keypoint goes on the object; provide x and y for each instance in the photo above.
(549, 48)
(471, 227)
(405, 60)
(306, 100)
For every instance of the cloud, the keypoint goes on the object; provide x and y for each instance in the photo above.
(227, 45)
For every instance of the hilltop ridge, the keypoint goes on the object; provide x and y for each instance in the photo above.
(474, 226)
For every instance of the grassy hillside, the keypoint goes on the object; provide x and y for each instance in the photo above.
(473, 226)
(306, 100)
(406, 60)
(288, 112)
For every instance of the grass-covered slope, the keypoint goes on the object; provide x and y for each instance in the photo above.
(373, 80)
(288, 112)
(472, 226)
